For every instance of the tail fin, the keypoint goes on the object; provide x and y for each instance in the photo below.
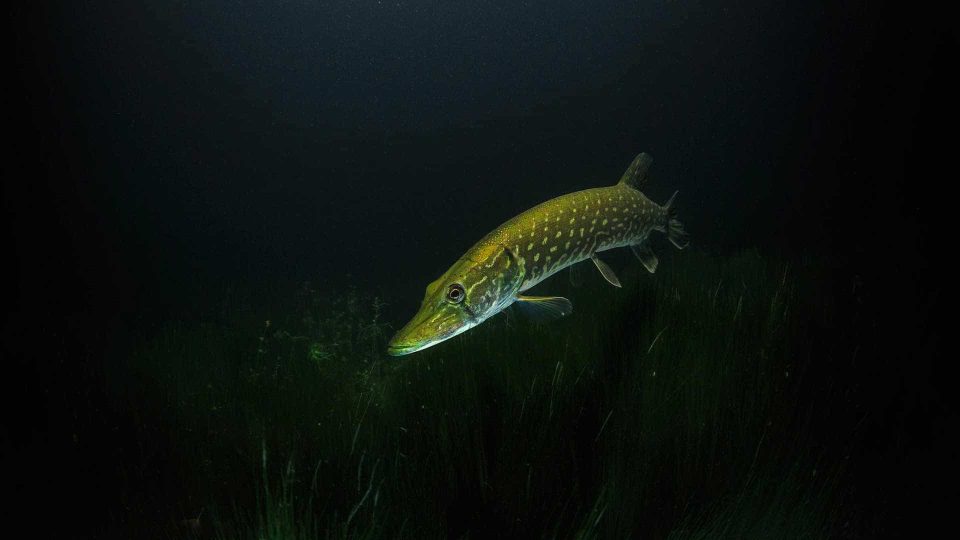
(675, 233)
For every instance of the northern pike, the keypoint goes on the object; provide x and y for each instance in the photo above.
(534, 245)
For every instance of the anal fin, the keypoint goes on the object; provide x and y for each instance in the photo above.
(605, 269)
(646, 255)
(544, 308)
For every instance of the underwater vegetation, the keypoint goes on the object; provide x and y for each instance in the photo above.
(677, 407)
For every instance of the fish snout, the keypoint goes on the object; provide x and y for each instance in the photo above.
(428, 328)
(411, 338)
(399, 347)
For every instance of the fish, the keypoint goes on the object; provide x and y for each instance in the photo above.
(532, 246)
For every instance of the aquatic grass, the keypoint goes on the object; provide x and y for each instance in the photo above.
(706, 397)
(674, 407)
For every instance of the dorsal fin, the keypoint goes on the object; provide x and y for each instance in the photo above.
(636, 173)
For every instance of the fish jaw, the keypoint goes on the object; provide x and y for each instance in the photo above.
(431, 325)
(401, 348)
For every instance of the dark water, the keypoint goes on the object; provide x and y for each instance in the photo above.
(179, 175)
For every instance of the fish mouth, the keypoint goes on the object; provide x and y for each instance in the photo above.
(397, 347)
(401, 350)
(404, 343)
(428, 328)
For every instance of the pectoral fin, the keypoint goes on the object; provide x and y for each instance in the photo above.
(544, 308)
(605, 270)
(646, 255)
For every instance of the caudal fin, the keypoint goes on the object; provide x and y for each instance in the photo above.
(675, 233)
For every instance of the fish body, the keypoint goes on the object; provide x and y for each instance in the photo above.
(534, 245)
(572, 228)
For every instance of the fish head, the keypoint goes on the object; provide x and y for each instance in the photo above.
(479, 285)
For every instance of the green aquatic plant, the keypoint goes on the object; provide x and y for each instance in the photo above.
(343, 326)
(373, 335)
(320, 353)
(674, 409)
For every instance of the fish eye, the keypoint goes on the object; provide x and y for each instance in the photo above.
(455, 293)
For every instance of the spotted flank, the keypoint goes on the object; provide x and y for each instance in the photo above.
(533, 246)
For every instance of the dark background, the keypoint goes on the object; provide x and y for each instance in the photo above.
(156, 153)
